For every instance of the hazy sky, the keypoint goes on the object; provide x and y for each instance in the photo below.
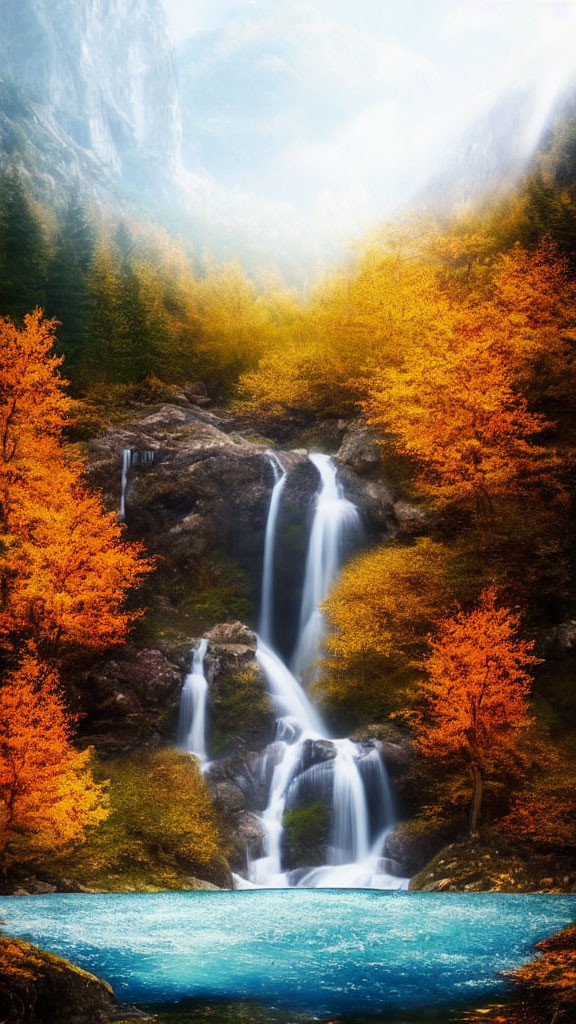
(343, 107)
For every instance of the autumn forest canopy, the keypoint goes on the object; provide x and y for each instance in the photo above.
(453, 338)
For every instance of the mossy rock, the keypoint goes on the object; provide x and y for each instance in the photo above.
(39, 988)
(306, 835)
(241, 714)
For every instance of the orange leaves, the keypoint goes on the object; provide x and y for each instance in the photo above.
(47, 795)
(455, 411)
(477, 684)
(64, 568)
(475, 696)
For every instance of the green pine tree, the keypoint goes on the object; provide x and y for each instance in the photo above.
(67, 291)
(23, 250)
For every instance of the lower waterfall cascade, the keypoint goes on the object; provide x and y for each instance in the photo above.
(304, 765)
(192, 722)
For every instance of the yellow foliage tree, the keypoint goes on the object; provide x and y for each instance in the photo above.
(379, 615)
(48, 797)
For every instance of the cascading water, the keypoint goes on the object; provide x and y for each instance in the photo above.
(304, 766)
(267, 592)
(334, 772)
(132, 458)
(126, 462)
(192, 724)
(335, 528)
(335, 780)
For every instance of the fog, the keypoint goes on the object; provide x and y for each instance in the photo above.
(344, 108)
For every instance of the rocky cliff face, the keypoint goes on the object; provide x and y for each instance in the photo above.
(96, 85)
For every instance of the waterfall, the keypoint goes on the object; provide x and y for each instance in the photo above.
(126, 462)
(336, 782)
(132, 458)
(265, 626)
(304, 765)
(192, 724)
(335, 527)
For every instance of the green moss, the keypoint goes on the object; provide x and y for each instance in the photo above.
(241, 714)
(201, 594)
(307, 830)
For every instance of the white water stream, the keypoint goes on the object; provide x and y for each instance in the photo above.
(335, 526)
(132, 458)
(265, 625)
(304, 765)
(192, 724)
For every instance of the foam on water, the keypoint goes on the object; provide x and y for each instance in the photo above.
(322, 951)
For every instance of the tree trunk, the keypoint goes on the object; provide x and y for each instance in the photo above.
(478, 784)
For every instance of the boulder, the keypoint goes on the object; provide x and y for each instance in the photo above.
(360, 448)
(395, 744)
(316, 752)
(228, 798)
(37, 987)
(247, 840)
(234, 634)
(244, 771)
(412, 520)
(412, 844)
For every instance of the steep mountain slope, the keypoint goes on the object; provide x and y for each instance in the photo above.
(66, 114)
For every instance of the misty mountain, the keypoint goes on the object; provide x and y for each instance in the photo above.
(88, 93)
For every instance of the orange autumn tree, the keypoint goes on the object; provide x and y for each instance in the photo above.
(64, 567)
(454, 409)
(475, 696)
(48, 797)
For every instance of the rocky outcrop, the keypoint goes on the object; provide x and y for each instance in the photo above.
(411, 520)
(240, 713)
(411, 845)
(39, 988)
(360, 449)
(490, 864)
(206, 490)
(236, 784)
(130, 700)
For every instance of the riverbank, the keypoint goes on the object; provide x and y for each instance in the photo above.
(37, 987)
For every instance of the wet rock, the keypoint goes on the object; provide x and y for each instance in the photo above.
(245, 771)
(395, 744)
(316, 752)
(306, 836)
(247, 840)
(412, 845)
(373, 499)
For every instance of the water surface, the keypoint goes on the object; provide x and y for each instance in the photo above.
(327, 952)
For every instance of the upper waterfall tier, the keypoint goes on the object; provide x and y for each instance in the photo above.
(265, 627)
(336, 528)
